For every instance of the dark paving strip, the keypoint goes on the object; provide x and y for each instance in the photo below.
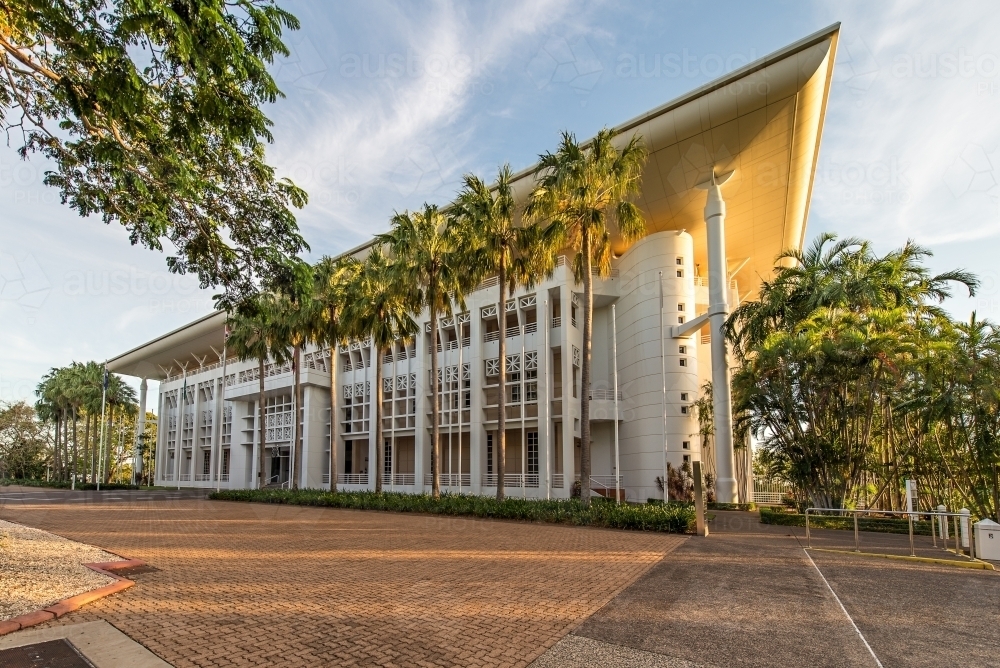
(748, 597)
(919, 615)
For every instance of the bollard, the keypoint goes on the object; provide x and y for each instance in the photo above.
(857, 540)
(933, 530)
(699, 502)
(958, 548)
(909, 517)
(808, 537)
(943, 525)
(963, 524)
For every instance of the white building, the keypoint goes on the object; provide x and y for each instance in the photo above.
(762, 123)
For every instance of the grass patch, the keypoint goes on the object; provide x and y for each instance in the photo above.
(670, 518)
(877, 524)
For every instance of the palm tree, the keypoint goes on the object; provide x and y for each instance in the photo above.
(378, 306)
(52, 405)
(579, 189)
(253, 336)
(517, 255)
(331, 278)
(427, 258)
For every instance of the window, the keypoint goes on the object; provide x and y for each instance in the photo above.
(687, 459)
(225, 462)
(680, 273)
(206, 463)
(684, 396)
(348, 456)
(686, 445)
(532, 453)
(683, 362)
(680, 261)
(387, 458)
(680, 320)
(680, 307)
(489, 454)
(682, 350)
(684, 410)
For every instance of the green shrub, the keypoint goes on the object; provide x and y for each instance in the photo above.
(62, 484)
(672, 518)
(732, 506)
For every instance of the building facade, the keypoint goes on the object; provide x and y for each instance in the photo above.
(759, 127)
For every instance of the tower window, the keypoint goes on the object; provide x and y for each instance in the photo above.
(680, 307)
(684, 410)
(687, 459)
(683, 362)
(684, 396)
(686, 445)
(682, 350)
(680, 320)
(680, 273)
(680, 261)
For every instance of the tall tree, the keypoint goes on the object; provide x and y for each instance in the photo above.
(427, 256)
(253, 336)
(332, 278)
(150, 113)
(378, 306)
(586, 191)
(518, 255)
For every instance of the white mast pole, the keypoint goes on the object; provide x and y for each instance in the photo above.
(548, 403)
(461, 400)
(222, 412)
(663, 400)
(614, 350)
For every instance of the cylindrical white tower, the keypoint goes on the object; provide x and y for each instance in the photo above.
(670, 254)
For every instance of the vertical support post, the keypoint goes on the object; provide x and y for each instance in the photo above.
(933, 529)
(100, 453)
(857, 535)
(963, 526)
(544, 358)
(614, 370)
(909, 521)
(958, 546)
(718, 289)
(663, 400)
(808, 536)
(140, 429)
(699, 501)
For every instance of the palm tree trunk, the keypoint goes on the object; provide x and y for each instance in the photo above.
(500, 447)
(261, 478)
(333, 412)
(88, 460)
(297, 380)
(55, 451)
(75, 447)
(379, 444)
(588, 316)
(65, 446)
(435, 404)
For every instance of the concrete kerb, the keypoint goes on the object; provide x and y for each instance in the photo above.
(72, 603)
(975, 564)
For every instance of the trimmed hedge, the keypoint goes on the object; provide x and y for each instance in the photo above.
(748, 507)
(876, 524)
(671, 518)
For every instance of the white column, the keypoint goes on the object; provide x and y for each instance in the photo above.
(718, 291)
(140, 428)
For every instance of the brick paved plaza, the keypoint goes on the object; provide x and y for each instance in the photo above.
(250, 584)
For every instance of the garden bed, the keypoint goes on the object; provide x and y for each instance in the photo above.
(670, 518)
(876, 524)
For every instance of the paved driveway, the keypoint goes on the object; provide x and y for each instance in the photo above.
(247, 584)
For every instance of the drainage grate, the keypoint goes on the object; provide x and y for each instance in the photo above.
(52, 654)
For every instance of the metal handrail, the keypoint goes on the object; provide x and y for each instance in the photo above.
(941, 515)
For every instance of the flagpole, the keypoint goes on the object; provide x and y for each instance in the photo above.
(614, 349)
(180, 427)
(104, 395)
(663, 376)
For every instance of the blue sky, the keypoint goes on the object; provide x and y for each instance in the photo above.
(389, 103)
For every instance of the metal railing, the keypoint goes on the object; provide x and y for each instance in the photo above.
(938, 522)
(448, 479)
(403, 479)
(557, 322)
(557, 480)
(606, 482)
(326, 478)
(531, 328)
(201, 477)
(770, 491)
(512, 480)
(184, 477)
(600, 394)
(352, 478)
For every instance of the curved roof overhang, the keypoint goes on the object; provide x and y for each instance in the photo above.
(764, 121)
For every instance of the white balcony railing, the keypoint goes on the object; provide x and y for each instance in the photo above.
(556, 322)
(352, 478)
(600, 394)
(512, 480)
(185, 476)
(403, 479)
(200, 477)
(224, 477)
(531, 328)
(448, 479)
(326, 478)
(557, 480)
(604, 482)
(168, 476)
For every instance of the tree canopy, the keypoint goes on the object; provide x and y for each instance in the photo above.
(150, 114)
